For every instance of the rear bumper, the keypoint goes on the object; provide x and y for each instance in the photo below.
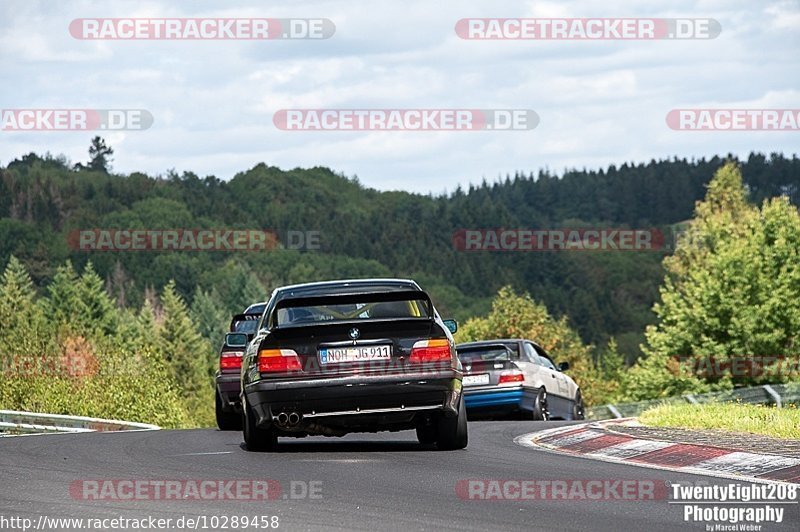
(229, 389)
(357, 399)
(513, 398)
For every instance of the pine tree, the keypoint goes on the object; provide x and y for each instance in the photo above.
(66, 306)
(100, 155)
(25, 337)
(210, 318)
(146, 319)
(16, 296)
(186, 353)
(100, 311)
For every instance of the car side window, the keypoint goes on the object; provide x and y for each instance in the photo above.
(515, 351)
(545, 359)
(530, 354)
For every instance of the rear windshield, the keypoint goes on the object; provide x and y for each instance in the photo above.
(353, 311)
(256, 309)
(486, 353)
(247, 326)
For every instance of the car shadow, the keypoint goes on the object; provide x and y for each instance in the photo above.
(351, 446)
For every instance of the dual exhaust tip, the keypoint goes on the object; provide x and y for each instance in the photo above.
(288, 420)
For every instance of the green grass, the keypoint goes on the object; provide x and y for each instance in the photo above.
(732, 417)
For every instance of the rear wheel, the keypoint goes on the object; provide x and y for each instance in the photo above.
(527, 415)
(577, 408)
(255, 438)
(426, 433)
(540, 411)
(452, 432)
(227, 420)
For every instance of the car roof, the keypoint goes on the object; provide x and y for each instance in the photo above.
(256, 308)
(469, 345)
(498, 341)
(495, 341)
(344, 286)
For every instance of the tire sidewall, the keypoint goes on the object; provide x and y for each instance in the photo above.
(578, 413)
(539, 411)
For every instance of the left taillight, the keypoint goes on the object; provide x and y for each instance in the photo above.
(278, 361)
(430, 351)
(230, 360)
(511, 377)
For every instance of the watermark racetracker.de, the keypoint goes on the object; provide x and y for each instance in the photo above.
(734, 119)
(203, 489)
(194, 29)
(75, 119)
(569, 239)
(740, 366)
(602, 489)
(183, 239)
(144, 522)
(405, 119)
(587, 29)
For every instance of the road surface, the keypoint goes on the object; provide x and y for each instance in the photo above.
(366, 482)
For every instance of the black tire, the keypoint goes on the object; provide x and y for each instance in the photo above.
(426, 433)
(577, 407)
(227, 420)
(451, 433)
(255, 438)
(527, 415)
(540, 411)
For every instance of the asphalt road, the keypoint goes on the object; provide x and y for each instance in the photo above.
(365, 482)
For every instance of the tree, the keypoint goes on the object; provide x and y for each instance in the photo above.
(66, 306)
(100, 311)
(210, 319)
(731, 294)
(100, 155)
(19, 316)
(25, 340)
(186, 353)
(610, 370)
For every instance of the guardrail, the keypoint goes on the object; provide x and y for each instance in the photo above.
(777, 394)
(13, 422)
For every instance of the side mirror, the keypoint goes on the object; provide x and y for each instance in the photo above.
(452, 325)
(563, 366)
(236, 339)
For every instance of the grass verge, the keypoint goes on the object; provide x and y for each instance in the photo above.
(732, 417)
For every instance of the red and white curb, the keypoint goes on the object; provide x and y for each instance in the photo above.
(591, 440)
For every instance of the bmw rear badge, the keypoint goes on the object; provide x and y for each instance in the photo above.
(354, 334)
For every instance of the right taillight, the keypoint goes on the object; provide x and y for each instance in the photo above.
(229, 360)
(430, 351)
(278, 361)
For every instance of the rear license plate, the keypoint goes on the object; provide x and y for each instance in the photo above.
(475, 380)
(358, 353)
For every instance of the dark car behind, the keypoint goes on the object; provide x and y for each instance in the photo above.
(227, 377)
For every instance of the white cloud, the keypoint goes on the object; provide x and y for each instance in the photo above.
(599, 102)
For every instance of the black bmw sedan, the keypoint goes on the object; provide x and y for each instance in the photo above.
(336, 357)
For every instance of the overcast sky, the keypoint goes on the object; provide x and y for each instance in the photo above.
(599, 102)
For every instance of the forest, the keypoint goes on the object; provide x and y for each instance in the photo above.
(359, 231)
(95, 332)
